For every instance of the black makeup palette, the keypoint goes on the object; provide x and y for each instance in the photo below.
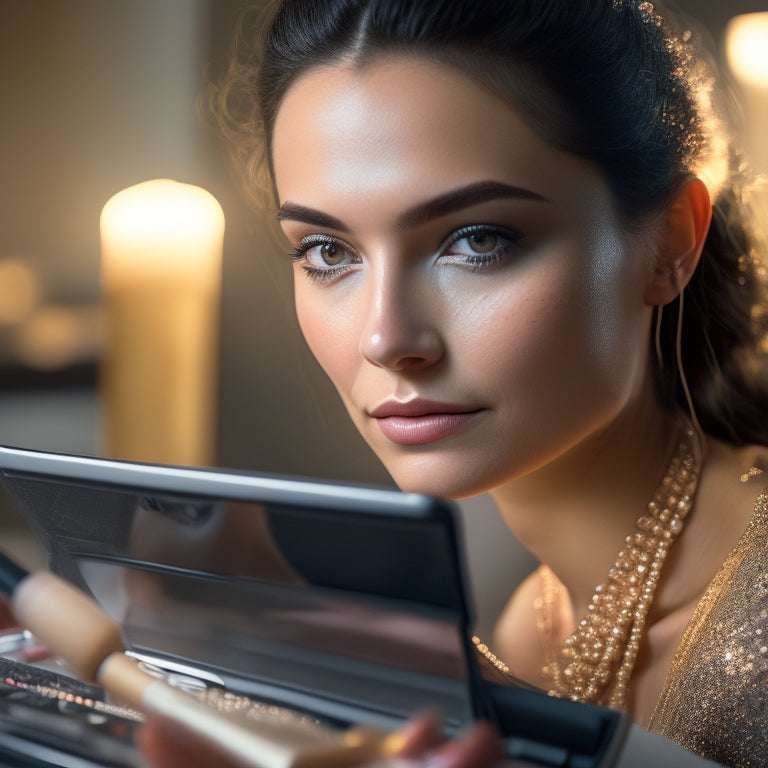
(47, 717)
(283, 599)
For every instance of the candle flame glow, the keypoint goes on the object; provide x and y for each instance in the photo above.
(161, 227)
(747, 48)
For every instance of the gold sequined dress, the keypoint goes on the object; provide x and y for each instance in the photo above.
(715, 697)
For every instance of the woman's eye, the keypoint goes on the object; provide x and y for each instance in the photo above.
(328, 255)
(483, 242)
(479, 246)
(323, 257)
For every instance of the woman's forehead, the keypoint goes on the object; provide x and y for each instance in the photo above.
(411, 125)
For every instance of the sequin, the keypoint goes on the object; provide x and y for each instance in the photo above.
(715, 697)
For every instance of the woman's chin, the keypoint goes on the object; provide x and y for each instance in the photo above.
(446, 485)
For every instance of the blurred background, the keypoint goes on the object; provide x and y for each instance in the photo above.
(98, 95)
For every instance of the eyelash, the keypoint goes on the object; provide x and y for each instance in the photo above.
(316, 273)
(477, 261)
(480, 261)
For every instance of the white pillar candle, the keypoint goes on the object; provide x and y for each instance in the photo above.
(747, 51)
(161, 245)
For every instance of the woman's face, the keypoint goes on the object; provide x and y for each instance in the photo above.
(467, 287)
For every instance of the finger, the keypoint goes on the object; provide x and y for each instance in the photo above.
(480, 747)
(6, 617)
(166, 744)
(419, 735)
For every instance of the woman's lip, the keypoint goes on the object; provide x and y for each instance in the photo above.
(417, 407)
(423, 428)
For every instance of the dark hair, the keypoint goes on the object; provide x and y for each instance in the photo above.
(617, 82)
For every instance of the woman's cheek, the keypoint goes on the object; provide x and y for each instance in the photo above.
(327, 333)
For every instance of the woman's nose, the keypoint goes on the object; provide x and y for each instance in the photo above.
(400, 332)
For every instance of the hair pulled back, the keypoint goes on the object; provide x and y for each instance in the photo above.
(617, 82)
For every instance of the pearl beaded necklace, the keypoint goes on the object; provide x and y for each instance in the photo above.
(596, 662)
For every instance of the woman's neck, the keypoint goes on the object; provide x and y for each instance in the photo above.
(575, 512)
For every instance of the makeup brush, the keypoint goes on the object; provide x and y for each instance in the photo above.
(78, 631)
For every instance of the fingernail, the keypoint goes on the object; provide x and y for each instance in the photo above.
(437, 760)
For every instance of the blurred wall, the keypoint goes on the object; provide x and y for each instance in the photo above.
(96, 95)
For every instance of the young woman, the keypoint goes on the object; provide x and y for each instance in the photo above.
(521, 255)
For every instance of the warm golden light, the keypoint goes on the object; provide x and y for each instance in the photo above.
(161, 228)
(54, 336)
(19, 291)
(747, 48)
(161, 274)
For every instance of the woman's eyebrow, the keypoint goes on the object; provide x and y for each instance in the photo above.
(464, 197)
(294, 212)
(455, 200)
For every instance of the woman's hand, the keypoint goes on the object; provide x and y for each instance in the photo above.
(6, 617)
(477, 747)
(168, 745)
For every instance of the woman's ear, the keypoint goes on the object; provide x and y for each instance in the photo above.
(680, 239)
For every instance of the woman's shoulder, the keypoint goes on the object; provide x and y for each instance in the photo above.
(517, 622)
(754, 479)
(515, 637)
(732, 482)
(715, 699)
(525, 632)
(736, 485)
(727, 507)
(753, 463)
(742, 475)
